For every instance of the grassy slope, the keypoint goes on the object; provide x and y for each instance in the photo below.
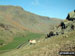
(46, 47)
(18, 40)
(17, 17)
(20, 21)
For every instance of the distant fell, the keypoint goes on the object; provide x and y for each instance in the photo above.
(21, 19)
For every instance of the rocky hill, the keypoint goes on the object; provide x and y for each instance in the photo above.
(65, 26)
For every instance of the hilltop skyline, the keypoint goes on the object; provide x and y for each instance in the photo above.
(50, 8)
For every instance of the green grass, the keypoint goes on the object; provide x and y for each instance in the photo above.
(46, 47)
(1, 41)
(19, 40)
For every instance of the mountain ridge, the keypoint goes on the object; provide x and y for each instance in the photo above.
(19, 15)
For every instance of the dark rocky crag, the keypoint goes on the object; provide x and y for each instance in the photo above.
(71, 16)
(65, 26)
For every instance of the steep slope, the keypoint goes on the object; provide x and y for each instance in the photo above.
(15, 20)
(25, 20)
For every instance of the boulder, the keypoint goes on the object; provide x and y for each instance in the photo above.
(71, 16)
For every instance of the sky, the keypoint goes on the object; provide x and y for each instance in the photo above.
(50, 8)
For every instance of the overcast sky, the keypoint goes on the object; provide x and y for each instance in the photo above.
(50, 8)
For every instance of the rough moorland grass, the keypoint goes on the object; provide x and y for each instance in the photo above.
(19, 40)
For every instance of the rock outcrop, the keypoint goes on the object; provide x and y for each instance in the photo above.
(71, 16)
(65, 26)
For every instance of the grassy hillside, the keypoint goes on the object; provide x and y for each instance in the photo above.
(18, 40)
(46, 47)
(19, 18)
(14, 20)
(17, 26)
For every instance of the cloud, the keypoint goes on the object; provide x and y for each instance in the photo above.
(35, 2)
